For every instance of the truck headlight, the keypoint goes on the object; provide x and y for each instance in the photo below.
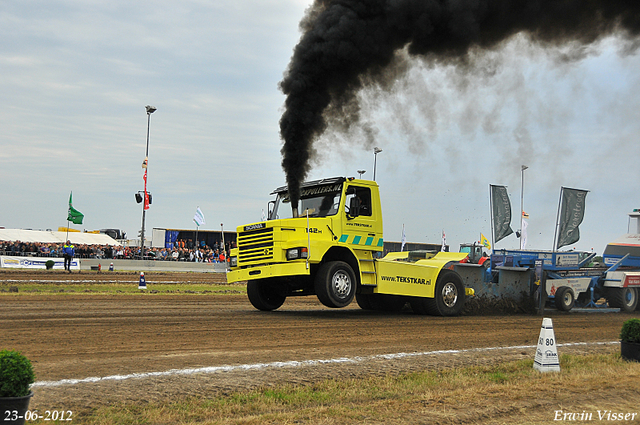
(234, 261)
(297, 253)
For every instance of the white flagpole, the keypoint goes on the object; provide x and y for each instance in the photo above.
(493, 233)
(522, 168)
(555, 234)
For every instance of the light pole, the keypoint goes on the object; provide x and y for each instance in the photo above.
(522, 168)
(145, 165)
(361, 172)
(224, 247)
(376, 151)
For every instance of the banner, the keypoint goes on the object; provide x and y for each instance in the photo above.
(40, 263)
(571, 215)
(403, 240)
(74, 215)
(199, 217)
(146, 194)
(444, 242)
(501, 212)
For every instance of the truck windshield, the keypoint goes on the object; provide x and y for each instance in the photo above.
(318, 201)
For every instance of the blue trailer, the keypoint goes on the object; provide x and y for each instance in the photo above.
(567, 279)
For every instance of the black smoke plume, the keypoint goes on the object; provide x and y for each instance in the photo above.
(347, 44)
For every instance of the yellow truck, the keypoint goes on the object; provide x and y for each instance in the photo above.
(333, 249)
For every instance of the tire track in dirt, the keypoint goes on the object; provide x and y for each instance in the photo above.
(70, 336)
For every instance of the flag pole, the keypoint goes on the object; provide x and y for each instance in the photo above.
(493, 237)
(67, 238)
(522, 168)
(555, 233)
(197, 226)
(224, 249)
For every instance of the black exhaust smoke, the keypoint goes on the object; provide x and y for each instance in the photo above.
(347, 44)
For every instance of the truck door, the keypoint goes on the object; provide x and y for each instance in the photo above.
(362, 227)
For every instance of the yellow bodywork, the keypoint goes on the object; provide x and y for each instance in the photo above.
(398, 275)
(356, 240)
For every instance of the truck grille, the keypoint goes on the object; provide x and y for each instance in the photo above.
(255, 246)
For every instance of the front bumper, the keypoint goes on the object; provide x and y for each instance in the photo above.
(272, 270)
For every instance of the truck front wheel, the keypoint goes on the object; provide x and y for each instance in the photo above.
(264, 295)
(335, 284)
(448, 298)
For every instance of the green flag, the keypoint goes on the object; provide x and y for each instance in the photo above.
(571, 215)
(501, 212)
(74, 216)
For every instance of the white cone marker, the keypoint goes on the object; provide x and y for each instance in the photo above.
(546, 359)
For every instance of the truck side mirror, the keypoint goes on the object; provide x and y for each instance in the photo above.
(270, 207)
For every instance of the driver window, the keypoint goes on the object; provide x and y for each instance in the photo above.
(364, 196)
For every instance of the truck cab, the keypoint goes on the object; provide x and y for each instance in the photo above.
(474, 251)
(340, 220)
(328, 247)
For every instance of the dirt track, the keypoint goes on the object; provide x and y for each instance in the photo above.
(82, 336)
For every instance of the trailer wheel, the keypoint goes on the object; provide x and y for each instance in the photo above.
(448, 299)
(565, 300)
(264, 295)
(335, 284)
(626, 299)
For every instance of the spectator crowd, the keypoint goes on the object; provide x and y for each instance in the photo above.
(182, 251)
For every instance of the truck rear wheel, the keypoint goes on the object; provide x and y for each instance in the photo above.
(448, 298)
(335, 284)
(565, 299)
(264, 295)
(626, 299)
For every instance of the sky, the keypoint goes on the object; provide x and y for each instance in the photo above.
(75, 77)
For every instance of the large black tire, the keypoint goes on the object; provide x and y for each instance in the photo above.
(626, 299)
(448, 299)
(264, 295)
(335, 284)
(565, 300)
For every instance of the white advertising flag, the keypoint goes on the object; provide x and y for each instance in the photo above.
(199, 217)
(523, 235)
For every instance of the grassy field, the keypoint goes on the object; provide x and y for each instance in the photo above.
(593, 388)
(589, 389)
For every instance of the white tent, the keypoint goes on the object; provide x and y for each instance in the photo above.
(76, 238)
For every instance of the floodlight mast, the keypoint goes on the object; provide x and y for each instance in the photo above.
(150, 110)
